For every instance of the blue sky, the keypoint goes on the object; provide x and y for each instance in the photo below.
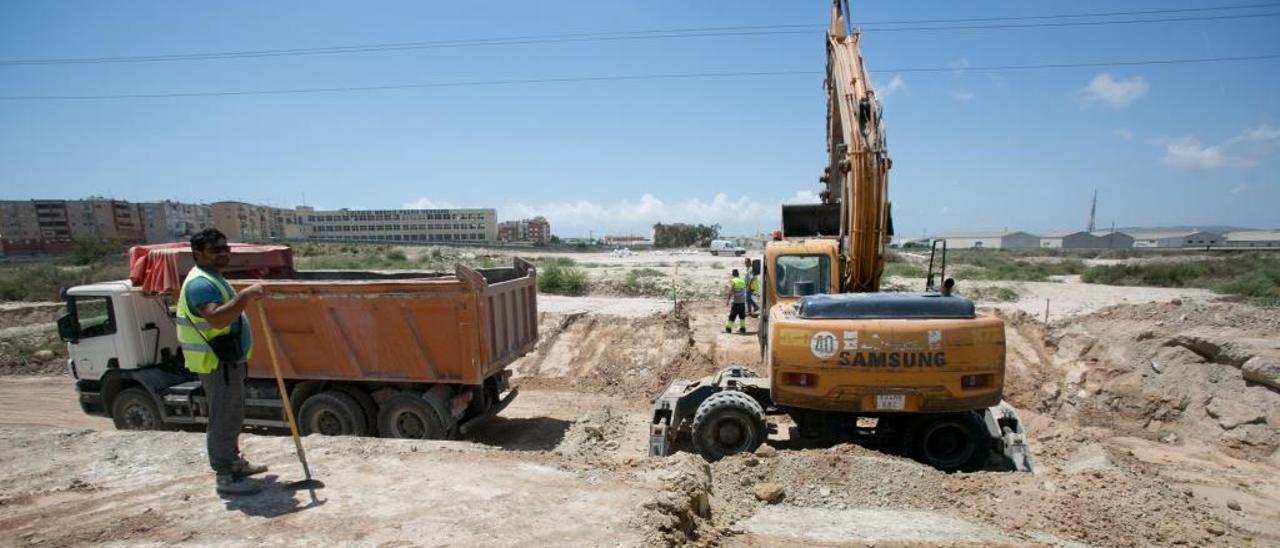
(1190, 144)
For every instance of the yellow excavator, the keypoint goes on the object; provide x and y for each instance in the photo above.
(920, 373)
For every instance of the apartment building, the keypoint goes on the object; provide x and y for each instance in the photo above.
(400, 225)
(171, 221)
(51, 226)
(536, 230)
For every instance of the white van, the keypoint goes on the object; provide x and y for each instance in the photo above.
(726, 247)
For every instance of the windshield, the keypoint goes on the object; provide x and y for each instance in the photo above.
(793, 269)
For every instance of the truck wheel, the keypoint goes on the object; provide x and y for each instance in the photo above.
(134, 409)
(952, 443)
(332, 413)
(409, 416)
(367, 405)
(728, 423)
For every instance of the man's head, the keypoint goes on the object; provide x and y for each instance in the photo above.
(748, 263)
(210, 250)
(735, 273)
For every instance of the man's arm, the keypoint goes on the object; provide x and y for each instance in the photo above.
(221, 315)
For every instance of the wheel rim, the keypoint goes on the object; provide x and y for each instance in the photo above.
(328, 423)
(410, 425)
(731, 434)
(138, 416)
(947, 445)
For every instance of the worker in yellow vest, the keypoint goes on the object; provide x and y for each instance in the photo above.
(216, 345)
(737, 301)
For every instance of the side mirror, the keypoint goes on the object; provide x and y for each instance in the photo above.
(67, 329)
(755, 266)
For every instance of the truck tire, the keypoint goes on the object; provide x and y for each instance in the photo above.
(367, 404)
(954, 442)
(332, 413)
(728, 423)
(408, 415)
(134, 409)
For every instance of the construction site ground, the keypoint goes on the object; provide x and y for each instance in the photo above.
(1143, 431)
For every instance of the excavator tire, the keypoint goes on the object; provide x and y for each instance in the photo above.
(728, 423)
(953, 442)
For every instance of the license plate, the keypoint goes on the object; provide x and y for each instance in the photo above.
(891, 402)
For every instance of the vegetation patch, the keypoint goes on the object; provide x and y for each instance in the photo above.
(992, 293)
(560, 276)
(1252, 277)
(994, 265)
(44, 280)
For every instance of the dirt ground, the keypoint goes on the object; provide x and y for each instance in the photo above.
(1142, 429)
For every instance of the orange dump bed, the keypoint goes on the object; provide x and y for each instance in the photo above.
(419, 328)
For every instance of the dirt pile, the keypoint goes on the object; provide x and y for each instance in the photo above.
(630, 357)
(1161, 371)
(29, 343)
(595, 433)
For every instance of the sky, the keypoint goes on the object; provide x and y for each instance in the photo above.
(1163, 144)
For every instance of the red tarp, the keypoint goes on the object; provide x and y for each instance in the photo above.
(160, 268)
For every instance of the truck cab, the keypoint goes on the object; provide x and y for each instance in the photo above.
(119, 339)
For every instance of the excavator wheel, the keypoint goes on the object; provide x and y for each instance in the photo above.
(954, 442)
(728, 423)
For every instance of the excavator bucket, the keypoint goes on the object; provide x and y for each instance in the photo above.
(805, 220)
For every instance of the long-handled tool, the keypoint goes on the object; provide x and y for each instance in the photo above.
(308, 483)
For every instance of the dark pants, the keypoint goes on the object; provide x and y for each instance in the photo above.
(224, 392)
(751, 304)
(737, 311)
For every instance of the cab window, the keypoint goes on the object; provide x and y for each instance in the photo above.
(802, 268)
(94, 316)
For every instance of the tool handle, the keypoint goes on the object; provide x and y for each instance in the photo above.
(284, 394)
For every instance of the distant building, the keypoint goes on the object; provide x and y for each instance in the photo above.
(1113, 240)
(241, 221)
(1068, 240)
(400, 225)
(1253, 238)
(51, 226)
(628, 241)
(171, 221)
(1188, 238)
(990, 240)
(536, 230)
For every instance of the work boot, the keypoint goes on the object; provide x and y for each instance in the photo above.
(228, 484)
(242, 469)
(728, 329)
(742, 331)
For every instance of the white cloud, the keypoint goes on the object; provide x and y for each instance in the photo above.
(958, 66)
(962, 96)
(804, 197)
(895, 85)
(1187, 153)
(1247, 149)
(1108, 91)
(425, 203)
(1123, 133)
(734, 214)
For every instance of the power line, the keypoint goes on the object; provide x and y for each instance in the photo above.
(703, 32)
(579, 79)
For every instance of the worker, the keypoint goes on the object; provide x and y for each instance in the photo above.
(737, 302)
(753, 285)
(216, 344)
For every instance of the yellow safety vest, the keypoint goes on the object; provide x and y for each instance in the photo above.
(739, 291)
(194, 333)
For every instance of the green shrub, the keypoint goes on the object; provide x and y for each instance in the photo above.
(1253, 277)
(995, 293)
(42, 281)
(904, 270)
(395, 255)
(559, 278)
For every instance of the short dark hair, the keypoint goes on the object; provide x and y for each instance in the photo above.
(205, 238)
(735, 272)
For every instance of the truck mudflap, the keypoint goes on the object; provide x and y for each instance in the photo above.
(470, 425)
(1005, 427)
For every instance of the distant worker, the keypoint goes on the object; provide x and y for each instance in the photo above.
(216, 344)
(753, 285)
(737, 304)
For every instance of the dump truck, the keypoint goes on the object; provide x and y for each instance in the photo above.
(404, 355)
(922, 373)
